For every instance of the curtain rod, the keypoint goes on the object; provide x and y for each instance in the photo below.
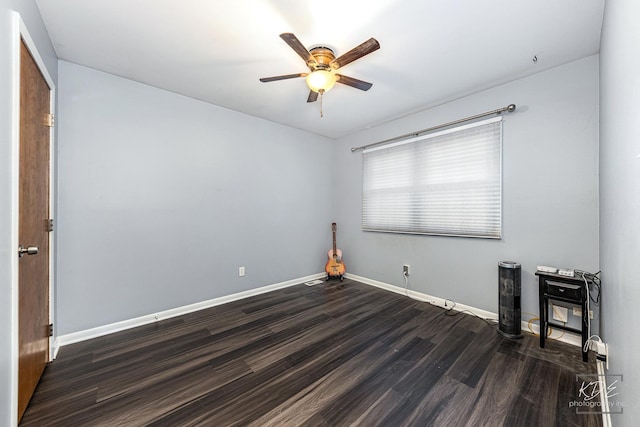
(509, 108)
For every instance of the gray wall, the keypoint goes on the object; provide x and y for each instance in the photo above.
(550, 193)
(33, 22)
(620, 198)
(162, 198)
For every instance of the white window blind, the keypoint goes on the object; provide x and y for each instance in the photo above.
(444, 183)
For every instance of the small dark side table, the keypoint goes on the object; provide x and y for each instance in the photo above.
(567, 289)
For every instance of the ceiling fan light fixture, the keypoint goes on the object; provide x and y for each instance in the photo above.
(321, 80)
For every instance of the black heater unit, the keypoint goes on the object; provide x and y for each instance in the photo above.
(509, 312)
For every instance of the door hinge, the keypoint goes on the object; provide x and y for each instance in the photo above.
(50, 329)
(49, 225)
(48, 120)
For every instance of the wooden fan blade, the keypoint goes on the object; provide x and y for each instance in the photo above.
(313, 96)
(296, 45)
(283, 77)
(357, 52)
(350, 81)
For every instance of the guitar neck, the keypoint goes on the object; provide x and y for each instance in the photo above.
(335, 249)
(334, 228)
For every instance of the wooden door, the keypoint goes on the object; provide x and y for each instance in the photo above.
(33, 291)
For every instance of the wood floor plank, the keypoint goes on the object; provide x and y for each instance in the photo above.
(347, 406)
(337, 353)
(315, 362)
(175, 391)
(379, 409)
(471, 365)
(302, 406)
(437, 404)
(424, 376)
(535, 399)
(496, 391)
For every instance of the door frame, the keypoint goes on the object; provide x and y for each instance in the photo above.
(20, 32)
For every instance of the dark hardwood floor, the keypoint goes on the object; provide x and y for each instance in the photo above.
(334, 354)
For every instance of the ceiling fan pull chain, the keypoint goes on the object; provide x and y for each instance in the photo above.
(321, 93)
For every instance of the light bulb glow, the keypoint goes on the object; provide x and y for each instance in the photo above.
(321, 80)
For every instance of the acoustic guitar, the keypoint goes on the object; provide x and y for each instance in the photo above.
(335, 266)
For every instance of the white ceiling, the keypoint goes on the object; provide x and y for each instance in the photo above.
(431, 50)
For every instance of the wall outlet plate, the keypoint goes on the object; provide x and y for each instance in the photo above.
(405, 269)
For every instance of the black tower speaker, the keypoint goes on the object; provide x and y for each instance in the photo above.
(510, 277)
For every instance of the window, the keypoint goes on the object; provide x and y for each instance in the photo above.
(445, 183)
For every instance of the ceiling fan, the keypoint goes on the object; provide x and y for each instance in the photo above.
(323, 63)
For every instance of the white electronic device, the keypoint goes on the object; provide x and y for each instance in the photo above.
(566, 272)
(546, 269)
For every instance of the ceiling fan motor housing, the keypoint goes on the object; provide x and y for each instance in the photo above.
(323, 57)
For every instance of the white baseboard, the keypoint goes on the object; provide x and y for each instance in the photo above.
(567, 337)
(55, 347)
(99, 331)
(604, 393)
(440, 302)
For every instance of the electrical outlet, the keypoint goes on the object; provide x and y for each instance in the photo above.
(405, 269)
(560, 313)
(241, 271)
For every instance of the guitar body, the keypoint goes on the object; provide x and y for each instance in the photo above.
(337, 252)
(335, 266)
